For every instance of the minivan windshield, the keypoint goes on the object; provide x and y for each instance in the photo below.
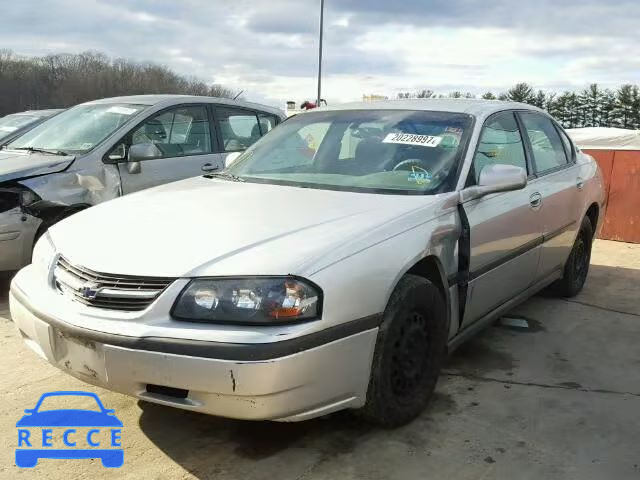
(78, 129)
(12, 122)
(381, 151)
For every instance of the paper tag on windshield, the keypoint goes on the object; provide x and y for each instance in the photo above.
(122, 110)
(411, 139)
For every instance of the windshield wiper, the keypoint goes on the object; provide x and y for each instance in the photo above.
(43, 150)
(225, 175)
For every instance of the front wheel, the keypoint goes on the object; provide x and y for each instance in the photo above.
(577, 266)
(408, 354)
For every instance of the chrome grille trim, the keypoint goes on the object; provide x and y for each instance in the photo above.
(105, 290)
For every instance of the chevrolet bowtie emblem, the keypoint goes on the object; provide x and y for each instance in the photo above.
(89, 291)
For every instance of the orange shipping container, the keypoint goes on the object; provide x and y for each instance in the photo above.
(617, 151)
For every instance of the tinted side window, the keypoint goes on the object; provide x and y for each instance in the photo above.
(568, 146)
(239, 129)
(548, 148)
(267, 122)
(177, 132)
(500, 143)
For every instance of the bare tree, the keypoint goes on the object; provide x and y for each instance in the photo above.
(63, 80)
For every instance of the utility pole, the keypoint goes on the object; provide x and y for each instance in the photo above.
(320, 54)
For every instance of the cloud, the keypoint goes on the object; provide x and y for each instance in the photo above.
(269, 49)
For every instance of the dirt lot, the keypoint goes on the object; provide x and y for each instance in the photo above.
(559, 400)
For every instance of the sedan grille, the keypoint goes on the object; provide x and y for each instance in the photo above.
(102, 290)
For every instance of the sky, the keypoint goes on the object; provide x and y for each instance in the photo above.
(268, 48)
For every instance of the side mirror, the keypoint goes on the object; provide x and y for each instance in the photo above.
(28, 410)
(495, 179)
(232, 157)
(139, 152)
(143, 151)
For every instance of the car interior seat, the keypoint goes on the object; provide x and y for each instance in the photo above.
(198, 139)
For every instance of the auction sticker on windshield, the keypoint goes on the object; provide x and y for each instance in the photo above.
(412, 139)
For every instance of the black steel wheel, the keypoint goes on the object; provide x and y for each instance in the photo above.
(577, 267)
(409, 353)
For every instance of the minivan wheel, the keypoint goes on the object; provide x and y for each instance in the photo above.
(408, 354)
(577, 266)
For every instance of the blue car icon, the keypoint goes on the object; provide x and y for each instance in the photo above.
(39, 418)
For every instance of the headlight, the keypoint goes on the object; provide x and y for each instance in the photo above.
(43, 254)
(255, 301)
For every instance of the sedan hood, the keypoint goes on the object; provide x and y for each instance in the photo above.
(202, 226)
(17, 165)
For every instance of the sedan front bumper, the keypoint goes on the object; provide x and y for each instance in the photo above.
(286, 383)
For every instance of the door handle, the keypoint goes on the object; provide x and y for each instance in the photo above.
(580, 184)
(535, 200)
(208, 167)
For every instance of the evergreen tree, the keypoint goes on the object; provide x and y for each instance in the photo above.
(590, 105)
(625, 111)
(608, 105)
(539, 99)
(521, 92)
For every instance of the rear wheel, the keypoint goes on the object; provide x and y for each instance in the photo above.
(408, 355)
(577, 266)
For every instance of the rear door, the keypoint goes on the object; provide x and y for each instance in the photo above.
(185, 142)
(559, 185)
(505, 228)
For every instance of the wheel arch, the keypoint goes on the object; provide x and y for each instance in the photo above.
(50, 214)
(593, 213)
(431, 268)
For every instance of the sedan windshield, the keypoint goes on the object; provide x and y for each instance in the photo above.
(77, 130)
(382, 151)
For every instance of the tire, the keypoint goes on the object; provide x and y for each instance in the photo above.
(577, 267)
(408, 355)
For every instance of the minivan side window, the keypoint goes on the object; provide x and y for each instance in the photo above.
(177, 132)
(239, 128)
(500, 143)
(267, 122)
(296, 149)
(546, 144)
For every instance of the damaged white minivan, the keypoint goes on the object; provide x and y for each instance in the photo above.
(331, 266)
(106, 148)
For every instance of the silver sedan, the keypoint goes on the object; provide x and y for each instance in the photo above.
(331, 266)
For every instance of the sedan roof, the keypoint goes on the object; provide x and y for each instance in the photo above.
(178, 99)
(476, 107)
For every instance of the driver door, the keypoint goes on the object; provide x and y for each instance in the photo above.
(184, 141)
(505, 228)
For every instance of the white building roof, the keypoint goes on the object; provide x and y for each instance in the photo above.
(602, 138)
